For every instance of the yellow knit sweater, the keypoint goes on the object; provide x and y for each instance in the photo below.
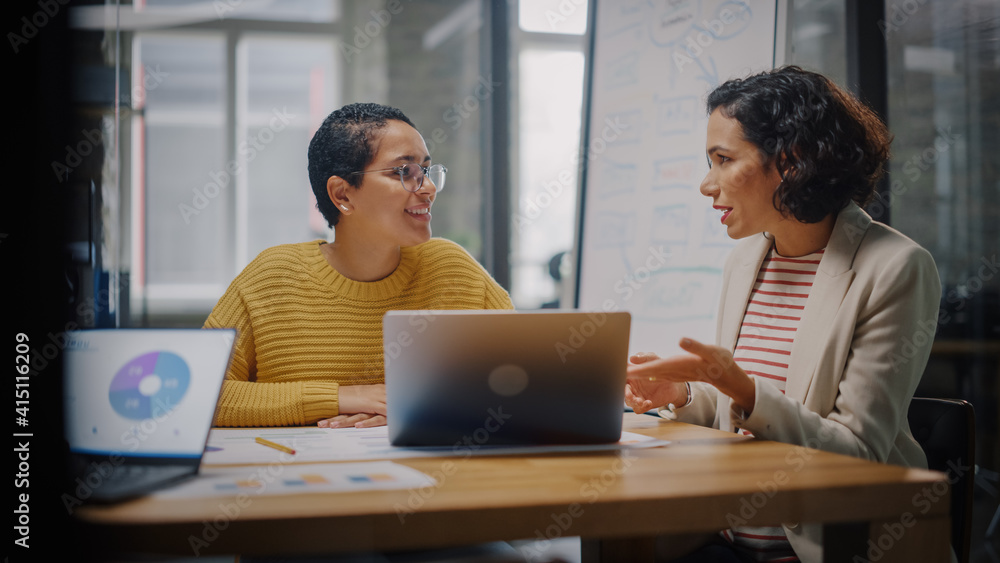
(304, 329)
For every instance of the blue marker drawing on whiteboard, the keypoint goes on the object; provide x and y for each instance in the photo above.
(615, 178)
(671, 224)
(626, 127)
(614, 229)
(673, 130)
(626, 267)
(735, 22)
(631, 34)
(623, 71)
(672, 20)
(631, 282)
(677, 116)
(731, 19)
(679, 294)
(714, 233)
(711, 77)
(629, 7)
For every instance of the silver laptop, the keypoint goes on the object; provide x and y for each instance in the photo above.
(139, 404)
(475, 378)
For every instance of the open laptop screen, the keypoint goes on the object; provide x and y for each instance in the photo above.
(505, 377)
(143, 392)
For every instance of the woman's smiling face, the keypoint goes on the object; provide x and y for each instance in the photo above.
(383, 209)
(740, 184)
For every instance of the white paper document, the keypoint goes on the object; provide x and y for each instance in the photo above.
(301, 479)
(313, 444)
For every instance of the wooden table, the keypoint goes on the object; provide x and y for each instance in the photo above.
(615, 501)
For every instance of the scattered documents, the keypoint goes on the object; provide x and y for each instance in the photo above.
(301, 479)
(313, 444)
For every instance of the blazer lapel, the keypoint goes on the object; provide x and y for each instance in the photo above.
(833, 279)
(741, 282)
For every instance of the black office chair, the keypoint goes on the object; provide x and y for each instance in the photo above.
(946, 430)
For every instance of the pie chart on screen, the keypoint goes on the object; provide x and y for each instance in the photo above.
(150, 385)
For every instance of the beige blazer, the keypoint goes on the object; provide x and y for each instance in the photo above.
(859, 352)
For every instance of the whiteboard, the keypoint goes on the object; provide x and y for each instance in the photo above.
(649, 242)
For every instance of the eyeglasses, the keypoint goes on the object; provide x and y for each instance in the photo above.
(412, 175)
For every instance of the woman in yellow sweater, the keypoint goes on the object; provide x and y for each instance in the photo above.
(309, 315)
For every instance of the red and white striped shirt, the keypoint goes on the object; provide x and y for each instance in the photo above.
(762, 350)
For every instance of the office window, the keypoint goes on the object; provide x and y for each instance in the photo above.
(548, 68)
(549, 124)
(211, 200)
(433, 68)
(181, 143)
(818, 38)
(553, 16)
(218, 147)
(289, 91)
(319, 11)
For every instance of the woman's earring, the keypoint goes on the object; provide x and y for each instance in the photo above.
(344, 207)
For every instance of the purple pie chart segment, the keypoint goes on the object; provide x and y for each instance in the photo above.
(150, 385)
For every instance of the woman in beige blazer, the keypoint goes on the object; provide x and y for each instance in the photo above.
(792, 156)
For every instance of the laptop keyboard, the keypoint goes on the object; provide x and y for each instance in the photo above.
(129, 480)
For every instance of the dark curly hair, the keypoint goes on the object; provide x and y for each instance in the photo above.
(828, 147)
(345, 143)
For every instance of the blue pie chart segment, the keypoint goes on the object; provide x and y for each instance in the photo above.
(150, 385)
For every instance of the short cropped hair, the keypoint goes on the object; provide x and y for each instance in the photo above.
(828, 147)
(346, 143)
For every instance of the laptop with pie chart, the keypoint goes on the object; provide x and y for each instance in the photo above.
(139, 404)
(468, 379)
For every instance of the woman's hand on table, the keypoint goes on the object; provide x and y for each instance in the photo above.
(359, 420)
(361, 406)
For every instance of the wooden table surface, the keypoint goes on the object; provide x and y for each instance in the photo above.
(616, 501)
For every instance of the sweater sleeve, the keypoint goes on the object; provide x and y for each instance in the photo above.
(293, 403)
(496, 296)
(468, 284)
(246, 402)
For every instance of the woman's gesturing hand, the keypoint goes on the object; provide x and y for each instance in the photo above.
(654, 379)
(643, 393)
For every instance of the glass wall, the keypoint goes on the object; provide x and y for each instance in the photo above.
(944, 109)
(943, 86)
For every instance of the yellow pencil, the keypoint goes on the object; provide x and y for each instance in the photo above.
(271, 444)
